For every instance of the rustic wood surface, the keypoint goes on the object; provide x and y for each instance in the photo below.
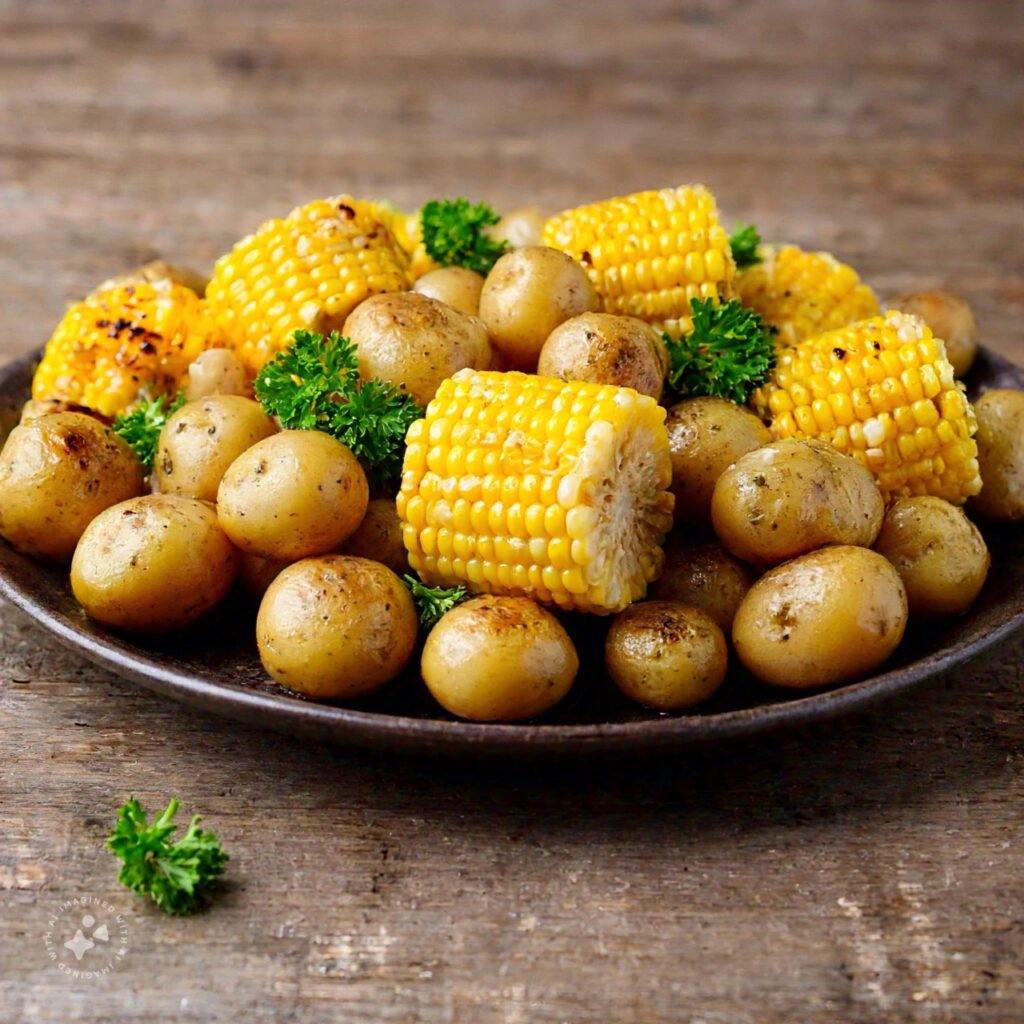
(869, 871)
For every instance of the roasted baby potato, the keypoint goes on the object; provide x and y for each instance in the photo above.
(379, 536)
(827, 617)
(458, 287)
(255, 574)
(793, 496)
(153, 564)
(336, 627)
(217, 371)
(203, 438)
(605, 349)
(950, 319)
(497, 659)
(294, 494)
(57, 473)
(519, 227)
(415, 342)
(706, 436)
(1000, 440)
(665, 654)
(527, 294)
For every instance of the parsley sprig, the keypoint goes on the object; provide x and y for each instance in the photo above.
(433, 602)
(176, 876)
(744, 242)
(142, 425)
(454, 234)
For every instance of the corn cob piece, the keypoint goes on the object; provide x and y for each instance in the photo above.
(517, 484)
(308, 271)
(407, 231)
(883, 391)
(649, 253)
(128, 340)
(802, 294)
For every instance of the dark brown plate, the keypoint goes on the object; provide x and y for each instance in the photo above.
(214, 665)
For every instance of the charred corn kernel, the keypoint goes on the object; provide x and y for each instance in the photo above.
(130, 339)
(649, 253)
(577, 513)
(802, 294)
(408, 233)
(308, 270)
(913, 428)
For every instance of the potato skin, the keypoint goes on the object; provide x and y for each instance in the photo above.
(793, 496)
(336, 627)
(57, 473)
(938, 552)
(153, 564)
(379, 536)
(294, 494)
(203, 438)
(217, 371)
(1000, 440)
(527, 294)
(605, 349)
(521, 226)
(950, 319)
(458, 287)
(706, 436)
(255, 574)
(495, 659)
(415, 342)
(666, 654)
(827, 617)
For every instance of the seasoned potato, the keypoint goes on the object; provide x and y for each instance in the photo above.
(415, 342)
(705, 576)
(1000, 440)
(498, 659)
(336, 627)
(153, 564)
(379, 536)
(793, 496)
(706, 436)
(527, 294)
(255, 574)
(938, 552)
(458, 287)
(950, 319)
(826, 617)
(666, 654)
(57, 473)
(605, 349)
(519, 227)
(218, 371)
(203, 438)
(291, 495)
(36, 407)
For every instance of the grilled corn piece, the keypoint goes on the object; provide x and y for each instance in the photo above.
(408, 233)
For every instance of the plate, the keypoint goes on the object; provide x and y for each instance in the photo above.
(214, 666)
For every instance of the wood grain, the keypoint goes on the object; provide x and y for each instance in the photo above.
(868, 873)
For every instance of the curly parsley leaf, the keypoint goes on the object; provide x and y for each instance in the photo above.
(454, 234)
(142, 425)
(744, 242)
(433, 602)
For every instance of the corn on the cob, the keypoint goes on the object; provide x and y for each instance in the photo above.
(129, 339)
(408, 233)
(517, 484)
(802, 294)
(649, 253)
(306, 271)
(883, 391)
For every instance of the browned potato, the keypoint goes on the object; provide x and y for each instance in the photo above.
(200, 441)
(706, 436)
(153, 564)
(379, 536)
(497, 659)
(666, 655)
(950, 319)
(217, 371)
(519, 227)
(824, 618)
(255, 574)
(36, 407)
(1000, 440)
(527, 294)
(793, 496)
(605, 349)
(336, 627)
(458, 287)
(291, 495)
(416, 342)
(57, 473)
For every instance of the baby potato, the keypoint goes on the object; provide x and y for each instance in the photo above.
(498, 659)
(938, 552)
(153, 564)
(203, 438)
(255, 574)
(705, 576)
(1000, 440)
(379, 536)
(291, 495)
(665, 654)
(605, 349)
(57, 473)
(458, 287)
(415, 342)
(519, 227)
(336, 627)
(705, 437)
(527, 294)
(217, 371)
(827, 617)
(793, 496)
(36, 407)
(950, 319)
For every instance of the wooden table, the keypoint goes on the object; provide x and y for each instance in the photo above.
(870, 872)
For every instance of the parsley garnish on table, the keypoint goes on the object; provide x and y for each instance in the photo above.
(142, 425)
(455, 234)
